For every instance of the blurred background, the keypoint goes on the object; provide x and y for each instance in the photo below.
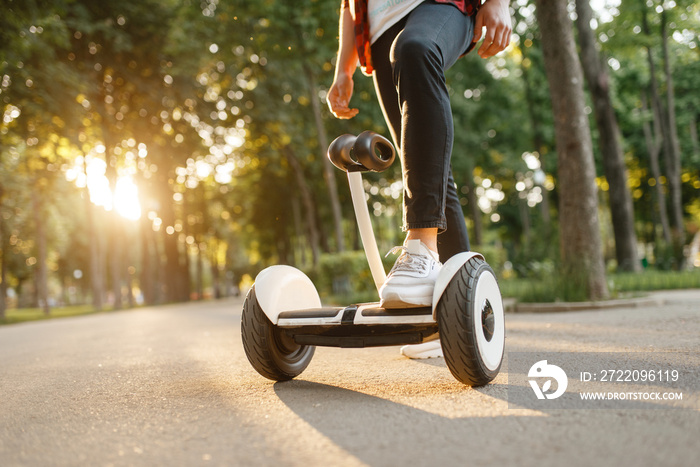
(155, 151)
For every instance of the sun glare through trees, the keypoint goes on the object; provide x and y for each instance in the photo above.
(173, 149)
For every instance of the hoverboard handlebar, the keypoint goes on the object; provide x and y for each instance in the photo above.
(355, 154)
(366, 152)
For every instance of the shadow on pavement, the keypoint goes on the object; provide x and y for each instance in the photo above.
(382, 432)
(378, 431)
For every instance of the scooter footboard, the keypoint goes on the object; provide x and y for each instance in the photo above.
(366, 325)
(363, 335)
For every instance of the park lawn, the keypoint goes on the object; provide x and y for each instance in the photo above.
(20, 315)
(523, 290)
(622, 284)
(549, 289)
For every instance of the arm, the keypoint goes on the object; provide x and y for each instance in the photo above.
(494, 15)
(341, 90)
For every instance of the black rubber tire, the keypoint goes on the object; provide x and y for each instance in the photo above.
(456, 313)
(273, 354)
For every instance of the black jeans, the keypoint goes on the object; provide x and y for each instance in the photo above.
(409, 61)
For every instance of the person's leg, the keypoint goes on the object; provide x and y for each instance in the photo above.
(417, 110)
(411, 281)
(409, 62)
(455, 239)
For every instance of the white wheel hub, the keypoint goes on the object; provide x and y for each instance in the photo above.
(487, 299)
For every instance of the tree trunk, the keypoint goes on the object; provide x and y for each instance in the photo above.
(146, 283)
(524, 217)
(673, 153)
(114, 236)
(580, 243)
(172, 268)
(185, 279)
(693, 131)
(473, 204)
(130, 299)
(662, 119)
(328, 169)
(4, 249)
(116, 259)
(199, 280)
(653, 143)
(307, 199)
(215, 273)
(96, 276)
(621, 209)
(41, 276)
(298, 244)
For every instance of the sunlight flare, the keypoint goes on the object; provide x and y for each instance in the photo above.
(125, 199)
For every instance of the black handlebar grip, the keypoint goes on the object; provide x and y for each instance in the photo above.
(374, 151)
(368, 151)
(339, 152)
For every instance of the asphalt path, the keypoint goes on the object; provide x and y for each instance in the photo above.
(171, 386)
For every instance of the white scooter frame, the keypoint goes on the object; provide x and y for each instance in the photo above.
(283, 317)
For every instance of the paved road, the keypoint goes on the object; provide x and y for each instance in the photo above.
(171, 386)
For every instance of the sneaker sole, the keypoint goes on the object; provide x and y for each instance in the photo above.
(419, 352)
(397, 299)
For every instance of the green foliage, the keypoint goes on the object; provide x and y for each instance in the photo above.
(197, 102)
(345, 278)
(496, 256)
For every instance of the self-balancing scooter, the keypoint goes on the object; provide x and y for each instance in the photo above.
(283, 320)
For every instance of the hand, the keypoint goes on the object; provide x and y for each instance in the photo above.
(339, 97)
(494, 15)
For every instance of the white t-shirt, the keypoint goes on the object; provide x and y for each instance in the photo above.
(383, 14)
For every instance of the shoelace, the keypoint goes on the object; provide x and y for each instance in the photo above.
(408, 261)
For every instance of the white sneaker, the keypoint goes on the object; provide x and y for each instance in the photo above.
(431, 349)
(412, 279)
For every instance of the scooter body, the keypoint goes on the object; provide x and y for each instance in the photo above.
(282, 289)
(283, 318)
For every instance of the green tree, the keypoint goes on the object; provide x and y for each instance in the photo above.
(581, 253)
(620, 200)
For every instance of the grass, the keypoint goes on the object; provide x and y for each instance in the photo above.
(21, 315)
(655, 280)
(542, 290)
(550, 289)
